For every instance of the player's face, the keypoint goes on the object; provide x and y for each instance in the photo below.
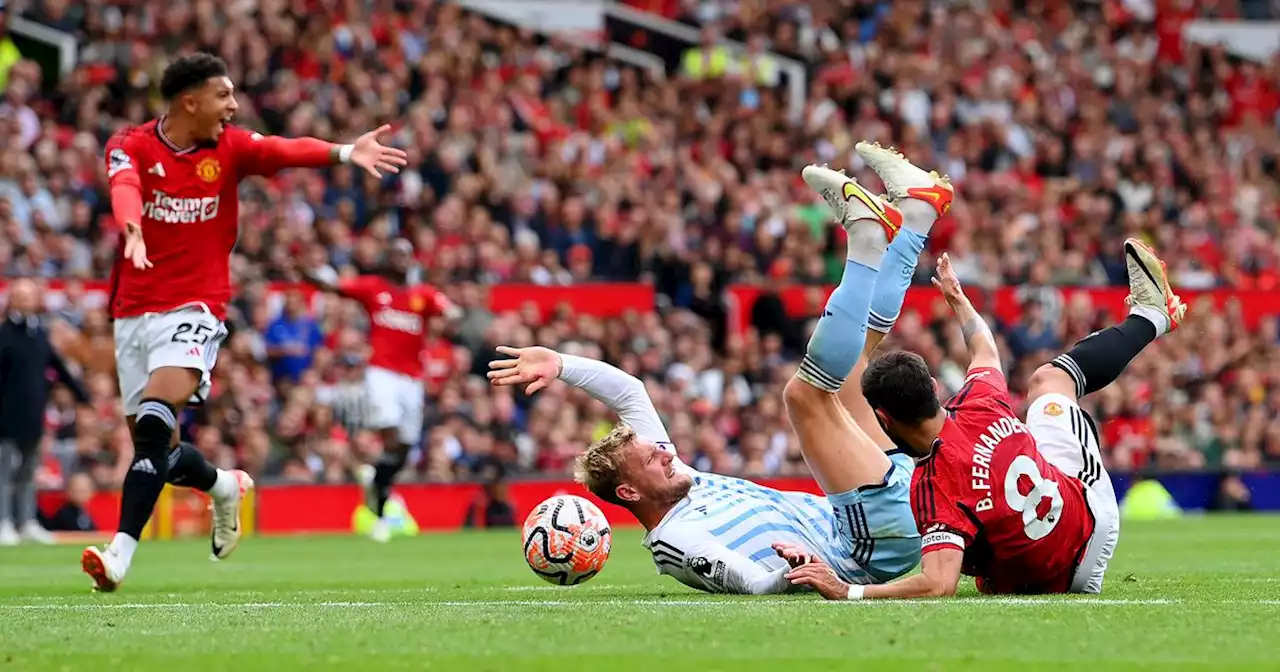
(213, 107)
(650, 475)
(893, 429)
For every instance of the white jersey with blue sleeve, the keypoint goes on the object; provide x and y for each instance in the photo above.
(719, 538)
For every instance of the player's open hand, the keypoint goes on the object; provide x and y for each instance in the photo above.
(946, 281)
(376, 157)
(794, 554)
(135, 248)
(821, 578)
(535, 367)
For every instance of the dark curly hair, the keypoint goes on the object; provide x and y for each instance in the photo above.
(189, 72)
(900, 385)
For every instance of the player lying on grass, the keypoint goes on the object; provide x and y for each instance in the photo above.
(174, 192)
(1024, 508)
(722, 534)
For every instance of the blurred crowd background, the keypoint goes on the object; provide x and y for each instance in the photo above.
(1065, 126)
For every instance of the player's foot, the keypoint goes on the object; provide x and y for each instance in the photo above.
(903, 179)
(225, 535)
(9, 535)
(104, 567)
(33, 532)
(364, 476)
(381, 531)
(851, 202)
(1149, 283)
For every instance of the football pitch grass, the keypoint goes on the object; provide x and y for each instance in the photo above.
(1194, 593)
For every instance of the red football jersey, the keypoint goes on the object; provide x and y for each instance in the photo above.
(189, 214)
(1022, 524)
(397, 321)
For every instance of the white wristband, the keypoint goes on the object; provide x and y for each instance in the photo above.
(855, 592)
(344, 153)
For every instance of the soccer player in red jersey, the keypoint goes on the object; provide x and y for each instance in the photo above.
(398, 314)
(1023, 507)
(173, 190)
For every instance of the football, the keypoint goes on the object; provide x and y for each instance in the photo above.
(566, 540)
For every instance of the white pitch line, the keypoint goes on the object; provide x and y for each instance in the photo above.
(1005, 601)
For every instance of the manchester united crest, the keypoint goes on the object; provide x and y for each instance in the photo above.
(1052, 409)
(417, 303)
(208, 169)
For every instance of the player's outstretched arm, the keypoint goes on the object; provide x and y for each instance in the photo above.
(623, 393)
(938, 577)
(982, 345)
(265, 155)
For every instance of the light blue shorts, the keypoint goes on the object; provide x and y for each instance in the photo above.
(874, 524)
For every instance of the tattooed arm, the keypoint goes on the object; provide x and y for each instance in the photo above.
(977, 335)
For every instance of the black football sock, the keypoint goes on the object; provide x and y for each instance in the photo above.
(1098, 360)
(384, 474)
(142, 485)
(188, 468)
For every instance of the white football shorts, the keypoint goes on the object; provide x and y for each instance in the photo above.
(1067, 439)
(187, 337)
(398, 401)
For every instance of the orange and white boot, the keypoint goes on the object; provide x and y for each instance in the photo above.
(104, 566)
(904, 180)
(1150, 293)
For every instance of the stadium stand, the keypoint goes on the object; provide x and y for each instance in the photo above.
(538, 164)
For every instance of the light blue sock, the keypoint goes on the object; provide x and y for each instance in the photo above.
(842, 331)
(891, 284)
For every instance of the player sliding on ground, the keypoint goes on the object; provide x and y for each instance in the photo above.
(723, 534)
(173, 191)
(1024, 508)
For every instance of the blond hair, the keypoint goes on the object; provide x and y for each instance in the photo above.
(600, 468)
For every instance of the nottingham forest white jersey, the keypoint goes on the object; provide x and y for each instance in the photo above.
(719, 537)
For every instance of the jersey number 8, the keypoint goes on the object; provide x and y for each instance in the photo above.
(1029, 504)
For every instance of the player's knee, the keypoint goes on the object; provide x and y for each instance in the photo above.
(800, 397)
(153, 429)
(1049, 379)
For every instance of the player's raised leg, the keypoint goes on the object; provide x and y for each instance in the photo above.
(841, 456)
(922, 196)
(1065, 435)
(226, 489)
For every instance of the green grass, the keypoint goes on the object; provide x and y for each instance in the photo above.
(1197, 593)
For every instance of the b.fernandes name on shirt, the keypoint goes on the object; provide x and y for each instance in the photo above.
(982, 450)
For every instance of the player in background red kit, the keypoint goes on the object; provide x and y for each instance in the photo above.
(1024, 508)
(173, 191)
(398, 313)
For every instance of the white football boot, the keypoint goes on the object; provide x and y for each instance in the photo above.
(225, 535)
(1149, 288)
(851, 202)
(103, 566)
(905, 180)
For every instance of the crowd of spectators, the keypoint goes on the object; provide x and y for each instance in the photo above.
(1065, 126)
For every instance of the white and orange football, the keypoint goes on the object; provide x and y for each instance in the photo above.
(566, 540)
